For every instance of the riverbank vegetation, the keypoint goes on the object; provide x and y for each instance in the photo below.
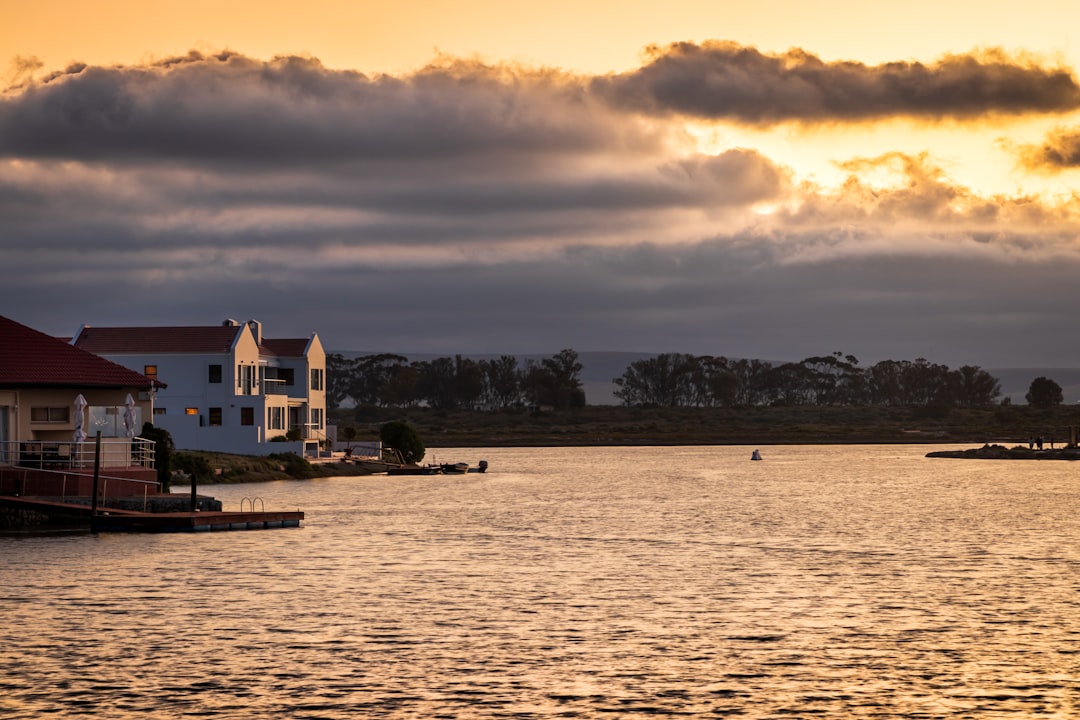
(753, 425)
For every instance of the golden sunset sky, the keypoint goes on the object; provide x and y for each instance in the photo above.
(583, 37)
(907, 170)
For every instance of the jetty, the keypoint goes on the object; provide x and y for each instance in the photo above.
(74, 500)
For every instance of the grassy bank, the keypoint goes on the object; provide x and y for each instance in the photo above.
(606, 425)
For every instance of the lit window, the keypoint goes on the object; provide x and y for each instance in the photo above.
(191, 411)
(150, 371)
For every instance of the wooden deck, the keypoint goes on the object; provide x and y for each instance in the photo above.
(194, 521)
(45, 514)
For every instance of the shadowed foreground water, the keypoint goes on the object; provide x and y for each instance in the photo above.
(589, 582)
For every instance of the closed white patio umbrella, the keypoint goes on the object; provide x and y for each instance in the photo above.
(129, 416)
(80, 419)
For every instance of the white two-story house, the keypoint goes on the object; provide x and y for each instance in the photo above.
(229, 388)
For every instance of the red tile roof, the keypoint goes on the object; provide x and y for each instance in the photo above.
(286, 347)
(204, 340)
(213, 339)
(29, 358)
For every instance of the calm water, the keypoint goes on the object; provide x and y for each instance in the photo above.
(823, 582)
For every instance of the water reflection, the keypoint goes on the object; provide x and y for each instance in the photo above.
(831, 582)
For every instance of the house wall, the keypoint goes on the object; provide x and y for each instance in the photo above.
(187, 434)
(21, 427)
(187, 378)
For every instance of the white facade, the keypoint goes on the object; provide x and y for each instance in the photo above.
(235, 399)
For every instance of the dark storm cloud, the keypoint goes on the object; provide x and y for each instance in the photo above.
(1059, 151)
(472, 208)
(293, 110)
(725, 81)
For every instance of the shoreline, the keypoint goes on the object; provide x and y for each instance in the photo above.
(1000, 452)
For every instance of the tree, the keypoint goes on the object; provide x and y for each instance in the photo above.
(1044, 392)
(339, 379)
(163, 452)
(975, 387)
(561, 376)
(403, 437)
(501, 382)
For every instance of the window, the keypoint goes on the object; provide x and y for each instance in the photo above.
(247, 416)
(245, 375)
(316, 379)
(288, 375)
(150, 371)
(317, 418)
(159, 411)
(191, 411)
(50, 415)
(276, 418)
(215, 374)
(215, 417)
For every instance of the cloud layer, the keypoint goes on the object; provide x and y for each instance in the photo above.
(498, 208)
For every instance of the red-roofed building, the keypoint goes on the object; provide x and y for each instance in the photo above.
(42, 380)
(229, 389)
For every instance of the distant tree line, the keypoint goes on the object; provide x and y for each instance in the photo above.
(666, 380)
(679, 380)
(455, 383)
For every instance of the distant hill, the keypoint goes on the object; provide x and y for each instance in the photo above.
(600, 368)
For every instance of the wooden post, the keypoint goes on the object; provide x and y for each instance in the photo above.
(194, 498)
(97, 473)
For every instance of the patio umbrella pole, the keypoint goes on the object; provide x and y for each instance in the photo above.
(97, 473)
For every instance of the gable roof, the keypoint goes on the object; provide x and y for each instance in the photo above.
(213, 339)
(286, 347)
(29, 358)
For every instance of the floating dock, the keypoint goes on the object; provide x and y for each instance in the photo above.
(19, 513)
(213, 521)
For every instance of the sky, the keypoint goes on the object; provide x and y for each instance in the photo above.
(772, 180)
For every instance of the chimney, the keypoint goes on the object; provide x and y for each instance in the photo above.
(256, 330)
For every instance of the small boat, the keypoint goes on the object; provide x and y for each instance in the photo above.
(482, 466)
(415, 470)
(389, 459)
(455, 468)
(755, 455)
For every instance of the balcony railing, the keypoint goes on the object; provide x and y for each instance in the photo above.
(65, 455)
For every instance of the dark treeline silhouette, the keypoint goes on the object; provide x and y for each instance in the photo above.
(666, 380)
(456, 383)
(678, 380)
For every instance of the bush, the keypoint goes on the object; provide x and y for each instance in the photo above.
(294, 465)
(197, 466)
(403, 437)
(163, 452)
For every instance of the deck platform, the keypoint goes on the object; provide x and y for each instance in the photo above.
(213, 521)
(27, 513)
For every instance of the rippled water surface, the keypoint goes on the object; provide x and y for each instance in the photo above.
(822, 582)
